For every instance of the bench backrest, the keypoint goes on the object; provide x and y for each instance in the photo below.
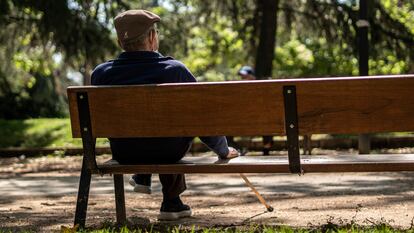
(330, 105)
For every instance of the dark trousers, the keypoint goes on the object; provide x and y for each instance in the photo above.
(154, 150)
(172, 184)
(267, 144)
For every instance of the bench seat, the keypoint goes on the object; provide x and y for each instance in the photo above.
(271, 164)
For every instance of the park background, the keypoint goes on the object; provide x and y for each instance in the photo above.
(46, 46)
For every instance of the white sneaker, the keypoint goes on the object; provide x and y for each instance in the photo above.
(139, 188)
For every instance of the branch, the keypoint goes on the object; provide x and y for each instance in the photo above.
(11, 18)
(401, 28)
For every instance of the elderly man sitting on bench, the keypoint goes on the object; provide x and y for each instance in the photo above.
(142, 64)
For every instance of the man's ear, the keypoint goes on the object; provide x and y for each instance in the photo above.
(152, 40)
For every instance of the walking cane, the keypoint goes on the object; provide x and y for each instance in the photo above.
(261, 199)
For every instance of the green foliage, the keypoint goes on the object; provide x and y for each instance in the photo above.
(73, 26)
(46, 132)
(317, 58)
(44, 41)
(313, 58)
(214, 54)
(224, 36)
(36, 33)
(39, 92)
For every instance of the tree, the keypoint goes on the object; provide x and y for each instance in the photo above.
(267, 10)
(324, 30)
(42, 40)
(36, 32)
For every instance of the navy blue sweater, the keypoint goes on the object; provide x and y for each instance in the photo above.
(146, 67)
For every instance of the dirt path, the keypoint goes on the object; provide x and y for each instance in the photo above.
(39, 194)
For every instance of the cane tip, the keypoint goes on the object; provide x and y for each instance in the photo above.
(270, 209)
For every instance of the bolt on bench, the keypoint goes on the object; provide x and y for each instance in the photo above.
(290, 107)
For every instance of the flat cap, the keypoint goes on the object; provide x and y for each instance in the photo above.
(132, 24)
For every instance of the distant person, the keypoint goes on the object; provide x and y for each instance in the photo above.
(142, 64)
(247, 73)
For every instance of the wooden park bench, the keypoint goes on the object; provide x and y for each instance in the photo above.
(293, 107)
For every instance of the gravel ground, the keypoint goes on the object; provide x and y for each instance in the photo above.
(39, 194)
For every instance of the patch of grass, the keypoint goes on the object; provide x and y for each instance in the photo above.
(43, 132)
(327, 228)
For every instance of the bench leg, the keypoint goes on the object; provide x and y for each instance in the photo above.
(83, 195)
(120, 199)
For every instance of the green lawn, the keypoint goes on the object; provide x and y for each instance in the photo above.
(46, 132)
(327, 228)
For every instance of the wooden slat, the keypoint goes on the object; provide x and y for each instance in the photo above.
(184, 110)
(273, 164)
(333, 105)
(356, 106)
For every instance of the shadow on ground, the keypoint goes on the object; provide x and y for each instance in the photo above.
(44, 201)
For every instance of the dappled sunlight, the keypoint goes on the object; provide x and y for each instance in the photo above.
(216, 199)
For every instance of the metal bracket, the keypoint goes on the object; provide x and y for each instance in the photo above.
(292, 128)
(88, 140)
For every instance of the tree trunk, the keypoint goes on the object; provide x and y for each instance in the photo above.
(267, 39)
(267, 10)
(364, 142)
